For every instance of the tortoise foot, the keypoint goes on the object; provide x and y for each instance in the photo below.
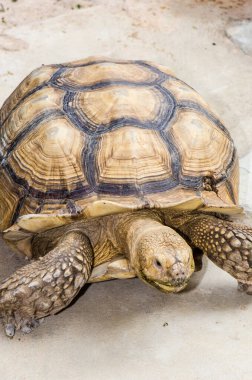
(20, 301)
(10, 329)
(28, 325)
(227, 244)
(25, 325)
(45, 286)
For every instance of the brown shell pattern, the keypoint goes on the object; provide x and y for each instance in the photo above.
(99, 136)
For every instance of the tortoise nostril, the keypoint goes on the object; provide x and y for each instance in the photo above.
(177, 274)
(158, 264)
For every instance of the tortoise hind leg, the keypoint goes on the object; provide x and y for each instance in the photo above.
(227, 244)
(47, 285)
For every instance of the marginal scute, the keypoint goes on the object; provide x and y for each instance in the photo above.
(228, 190)
(215, 202)
(31, 205)
(9, 198)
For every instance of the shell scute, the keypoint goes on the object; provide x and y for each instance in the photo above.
(198, 139)
(40, 106)
(35, 80)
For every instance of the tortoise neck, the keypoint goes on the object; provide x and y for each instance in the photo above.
(131, 226)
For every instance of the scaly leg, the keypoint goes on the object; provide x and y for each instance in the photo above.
(47, 285)
(227, 244)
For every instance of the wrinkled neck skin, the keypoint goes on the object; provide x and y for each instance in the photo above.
(131, 226)
(158, 254)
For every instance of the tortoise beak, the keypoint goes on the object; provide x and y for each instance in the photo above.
(170, 288)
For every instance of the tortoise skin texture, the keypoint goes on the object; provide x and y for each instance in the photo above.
(113, 169)
(64, 127)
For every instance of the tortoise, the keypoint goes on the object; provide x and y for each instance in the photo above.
(113, 169)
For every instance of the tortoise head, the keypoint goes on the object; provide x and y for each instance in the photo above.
(163, 259)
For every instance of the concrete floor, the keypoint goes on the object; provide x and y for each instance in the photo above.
(125, 329)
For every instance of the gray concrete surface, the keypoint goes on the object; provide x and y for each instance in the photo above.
(240, 33)
(125, 329)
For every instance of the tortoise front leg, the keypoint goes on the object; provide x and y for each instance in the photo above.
(227, 244)
(47, 285)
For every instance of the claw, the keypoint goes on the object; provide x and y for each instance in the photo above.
(35, 323)
(242, 287)
(249, 290)
(26, 329)
(28, 326)
(9, 330)
(245, 288)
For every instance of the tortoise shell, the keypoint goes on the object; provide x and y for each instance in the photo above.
(97, 137)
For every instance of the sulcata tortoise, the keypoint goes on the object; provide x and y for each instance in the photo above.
(113, 169)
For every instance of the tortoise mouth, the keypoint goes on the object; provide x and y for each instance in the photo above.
(167, 287)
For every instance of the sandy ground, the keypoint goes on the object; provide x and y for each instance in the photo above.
(124, 329)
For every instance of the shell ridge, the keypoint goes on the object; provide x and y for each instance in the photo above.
(100, 85)
(95, 62)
